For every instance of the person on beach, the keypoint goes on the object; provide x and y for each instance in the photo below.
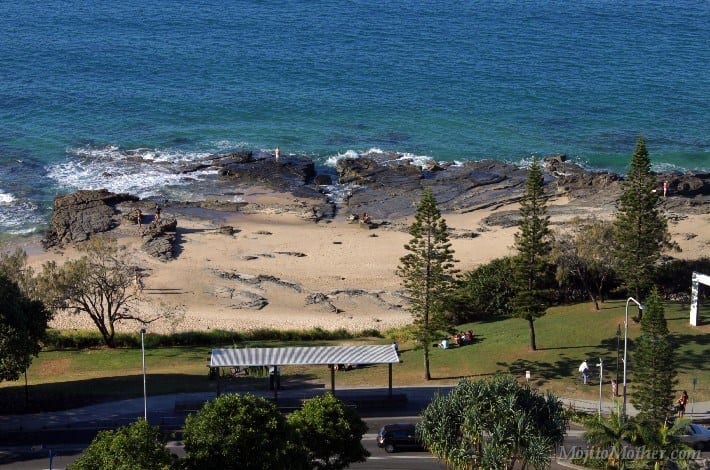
(682, 403)
(665, 188)
(138, 283)
(276, 154)
(139, 219)
(157, 213)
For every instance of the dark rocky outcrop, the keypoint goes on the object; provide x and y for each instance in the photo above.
(159, 238)
(79, 215)
(287, 173)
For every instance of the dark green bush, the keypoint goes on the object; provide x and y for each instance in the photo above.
(673, 278)
(80, 339)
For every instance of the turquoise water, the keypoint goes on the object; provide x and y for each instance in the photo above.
(113, 93)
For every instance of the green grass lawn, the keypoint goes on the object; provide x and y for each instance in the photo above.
(565, 336)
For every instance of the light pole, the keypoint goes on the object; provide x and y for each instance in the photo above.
(145, 396)
(601, 381)
(626, 345)
(618, 349)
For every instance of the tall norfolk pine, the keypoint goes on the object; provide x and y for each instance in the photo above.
(533, 242)
(427, 271)
(641, 230)
(654, 367)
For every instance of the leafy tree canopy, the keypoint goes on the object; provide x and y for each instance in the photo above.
(100, 284)
(330, 432)
(242, 432)
(484, 292)
(137, 445)
(23, 323)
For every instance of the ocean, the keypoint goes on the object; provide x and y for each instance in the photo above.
(114, 93)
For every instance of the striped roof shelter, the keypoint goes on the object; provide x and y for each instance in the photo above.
(307, 355)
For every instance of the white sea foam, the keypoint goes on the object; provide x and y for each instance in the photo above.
(6, 198)
(143, 172)
(419, 160)
(333, 160)
(18, 216)
(422, 161)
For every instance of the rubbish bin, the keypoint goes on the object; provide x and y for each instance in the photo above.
(274, 378)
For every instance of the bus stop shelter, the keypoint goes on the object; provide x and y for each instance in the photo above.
(305, 356)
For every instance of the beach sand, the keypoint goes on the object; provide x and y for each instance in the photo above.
(331, 274)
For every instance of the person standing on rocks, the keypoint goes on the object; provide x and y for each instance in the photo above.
(157, 214)
(276, 154)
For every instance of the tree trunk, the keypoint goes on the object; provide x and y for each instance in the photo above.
(427, 374)
(533, 346)
(595, 299)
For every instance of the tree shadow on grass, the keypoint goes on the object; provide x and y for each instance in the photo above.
(695, 359)
(77, 393)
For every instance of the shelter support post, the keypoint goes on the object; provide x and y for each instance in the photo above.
(389, 390)
(332, 378)
(696, 280)
(276, 385)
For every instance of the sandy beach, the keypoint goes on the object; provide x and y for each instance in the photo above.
(279, 270)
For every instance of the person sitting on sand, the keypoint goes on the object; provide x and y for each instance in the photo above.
(365, 219)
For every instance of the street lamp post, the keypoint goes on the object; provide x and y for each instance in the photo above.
(626, 345)
(618, 349)
(145, 396)
(601, 381)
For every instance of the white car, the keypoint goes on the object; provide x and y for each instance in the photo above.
(696, 436)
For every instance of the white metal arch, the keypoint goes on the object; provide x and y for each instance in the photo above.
(697, 280)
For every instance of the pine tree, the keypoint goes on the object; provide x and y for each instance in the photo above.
(533, 242)
(653, 365)
(427, 272)
(641, 230)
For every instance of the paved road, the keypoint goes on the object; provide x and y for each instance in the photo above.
(25, 440)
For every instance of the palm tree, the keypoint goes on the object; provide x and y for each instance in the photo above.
(611, 433)
(663, 446)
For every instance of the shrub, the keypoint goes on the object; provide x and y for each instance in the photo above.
(80, 339)
(137, 445)
(240, 432)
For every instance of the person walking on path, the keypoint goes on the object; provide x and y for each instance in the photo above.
(682, 403)
(584, 370)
